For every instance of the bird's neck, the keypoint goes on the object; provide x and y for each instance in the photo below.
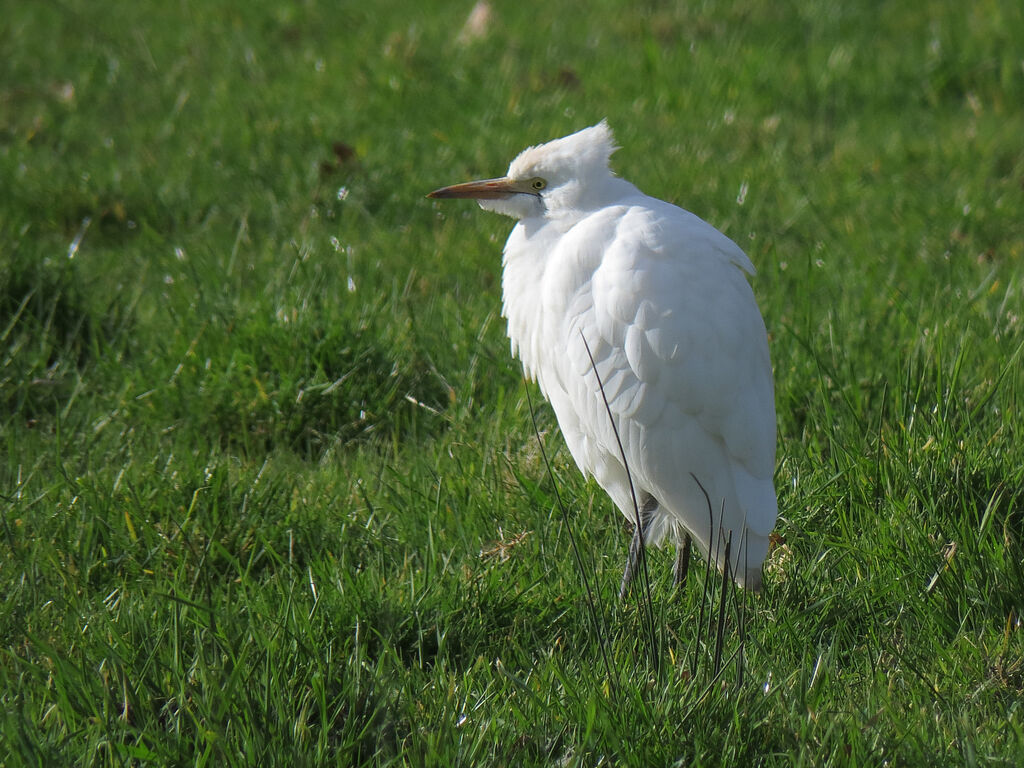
(573, 202)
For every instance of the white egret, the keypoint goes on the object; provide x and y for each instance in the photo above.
(600, 278)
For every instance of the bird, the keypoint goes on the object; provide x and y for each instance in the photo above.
(638, 322)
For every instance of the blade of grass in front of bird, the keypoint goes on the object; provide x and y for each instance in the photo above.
(597, 617)
(720, 630)
(645, 576)
(707, 579)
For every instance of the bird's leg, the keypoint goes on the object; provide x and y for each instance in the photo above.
(636, 546)
(634, 556)
(682, 565)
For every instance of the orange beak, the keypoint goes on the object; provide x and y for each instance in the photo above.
(486, 189)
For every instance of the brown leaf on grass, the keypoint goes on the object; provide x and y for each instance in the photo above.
(503, 546)
(343, 153)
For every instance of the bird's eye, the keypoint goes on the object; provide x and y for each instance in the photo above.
(538, 184)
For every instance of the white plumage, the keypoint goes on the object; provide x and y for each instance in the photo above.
(661, 299)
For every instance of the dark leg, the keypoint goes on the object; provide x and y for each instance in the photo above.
(682, 565)
(636, 546)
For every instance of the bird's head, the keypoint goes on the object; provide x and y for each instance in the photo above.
(564, 175)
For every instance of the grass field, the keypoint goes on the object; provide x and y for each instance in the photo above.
(271, 490)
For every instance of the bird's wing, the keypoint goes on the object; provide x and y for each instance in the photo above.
(680, 346)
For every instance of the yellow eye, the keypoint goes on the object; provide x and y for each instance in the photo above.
(538, 184)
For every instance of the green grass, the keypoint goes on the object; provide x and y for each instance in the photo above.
(271, 491)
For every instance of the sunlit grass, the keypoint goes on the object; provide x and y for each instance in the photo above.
(270, 484)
